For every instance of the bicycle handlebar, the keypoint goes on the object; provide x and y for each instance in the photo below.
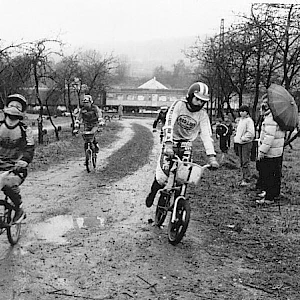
(177, 159)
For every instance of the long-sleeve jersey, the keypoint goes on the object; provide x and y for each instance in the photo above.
(183, 125)
(15, 144)
(89, 115)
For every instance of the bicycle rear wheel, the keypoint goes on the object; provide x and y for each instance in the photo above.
(13, 231)
(161, 209)
(177, 229)
(88, 160)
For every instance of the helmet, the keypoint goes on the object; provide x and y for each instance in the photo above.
(88, 98)
(164, 108)
(13, 108)
(199, 90)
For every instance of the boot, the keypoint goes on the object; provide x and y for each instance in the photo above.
(151, 196)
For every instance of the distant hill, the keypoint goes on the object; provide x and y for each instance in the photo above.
(144, 56)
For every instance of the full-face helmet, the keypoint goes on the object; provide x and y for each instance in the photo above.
(15, 105)
(200, 91)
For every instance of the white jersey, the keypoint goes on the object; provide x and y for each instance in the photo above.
(181, 124)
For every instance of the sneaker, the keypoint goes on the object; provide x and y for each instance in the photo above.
(264, 201)
(244, 183)
(262, 194)
(19, 216)
(149, 200)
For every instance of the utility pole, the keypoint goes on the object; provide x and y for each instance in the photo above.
(220, 62)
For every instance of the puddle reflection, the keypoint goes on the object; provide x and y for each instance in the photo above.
(53, 229)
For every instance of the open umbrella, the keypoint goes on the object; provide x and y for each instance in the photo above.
(283, 107)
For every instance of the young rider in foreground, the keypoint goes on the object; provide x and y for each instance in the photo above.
(16, 150)
(185, 120)
(91, 117)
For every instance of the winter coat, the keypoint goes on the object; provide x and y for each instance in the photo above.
(271, 140)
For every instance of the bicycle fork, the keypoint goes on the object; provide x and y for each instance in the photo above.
(180, 197)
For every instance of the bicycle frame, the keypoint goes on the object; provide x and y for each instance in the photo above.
(90, 151)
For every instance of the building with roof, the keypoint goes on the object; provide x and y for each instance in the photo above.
(149, 96)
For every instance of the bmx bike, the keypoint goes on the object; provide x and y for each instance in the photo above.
(7, 212)
(90, 150)
(173, 198)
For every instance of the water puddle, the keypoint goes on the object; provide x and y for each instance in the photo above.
(53, 229)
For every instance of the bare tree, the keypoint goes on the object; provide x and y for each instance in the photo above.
(40, 55)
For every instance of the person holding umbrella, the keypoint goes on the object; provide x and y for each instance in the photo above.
(279, 116)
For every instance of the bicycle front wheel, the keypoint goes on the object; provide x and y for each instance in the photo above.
(177, 229)
(88, 160)
(13, 231)
(161, 209)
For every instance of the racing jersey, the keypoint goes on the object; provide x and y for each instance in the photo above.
(15, 143)
(89, 115)
(183, 125)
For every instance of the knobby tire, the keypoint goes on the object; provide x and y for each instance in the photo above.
(88, 160)
(13, 232)
(94, 159)
(177, 229)
(161, 210)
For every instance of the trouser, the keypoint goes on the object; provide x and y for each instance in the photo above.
(93, 128)
(164, 165)
(270, 172)
(244, 153)
(224, 144)
(12, 189)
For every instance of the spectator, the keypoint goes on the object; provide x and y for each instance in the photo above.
(245, 134)
(270, 154)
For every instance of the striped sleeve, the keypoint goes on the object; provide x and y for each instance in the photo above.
(170, 121)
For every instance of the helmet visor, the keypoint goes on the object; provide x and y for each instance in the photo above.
(201, 96)
(13, 111)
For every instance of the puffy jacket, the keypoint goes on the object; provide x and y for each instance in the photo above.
(271, 140)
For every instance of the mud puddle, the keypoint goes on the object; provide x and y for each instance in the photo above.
(53, 229)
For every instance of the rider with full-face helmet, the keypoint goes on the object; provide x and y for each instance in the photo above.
(91, 117)
(16, 150)
(185, 120)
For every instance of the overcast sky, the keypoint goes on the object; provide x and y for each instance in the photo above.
(82, 22)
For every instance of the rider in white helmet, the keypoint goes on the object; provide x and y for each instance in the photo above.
(91, 117)
(16, 150)
(184, 122)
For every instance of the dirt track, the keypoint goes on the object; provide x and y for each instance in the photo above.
(86, 239)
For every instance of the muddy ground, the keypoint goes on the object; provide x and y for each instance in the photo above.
(88, 236)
